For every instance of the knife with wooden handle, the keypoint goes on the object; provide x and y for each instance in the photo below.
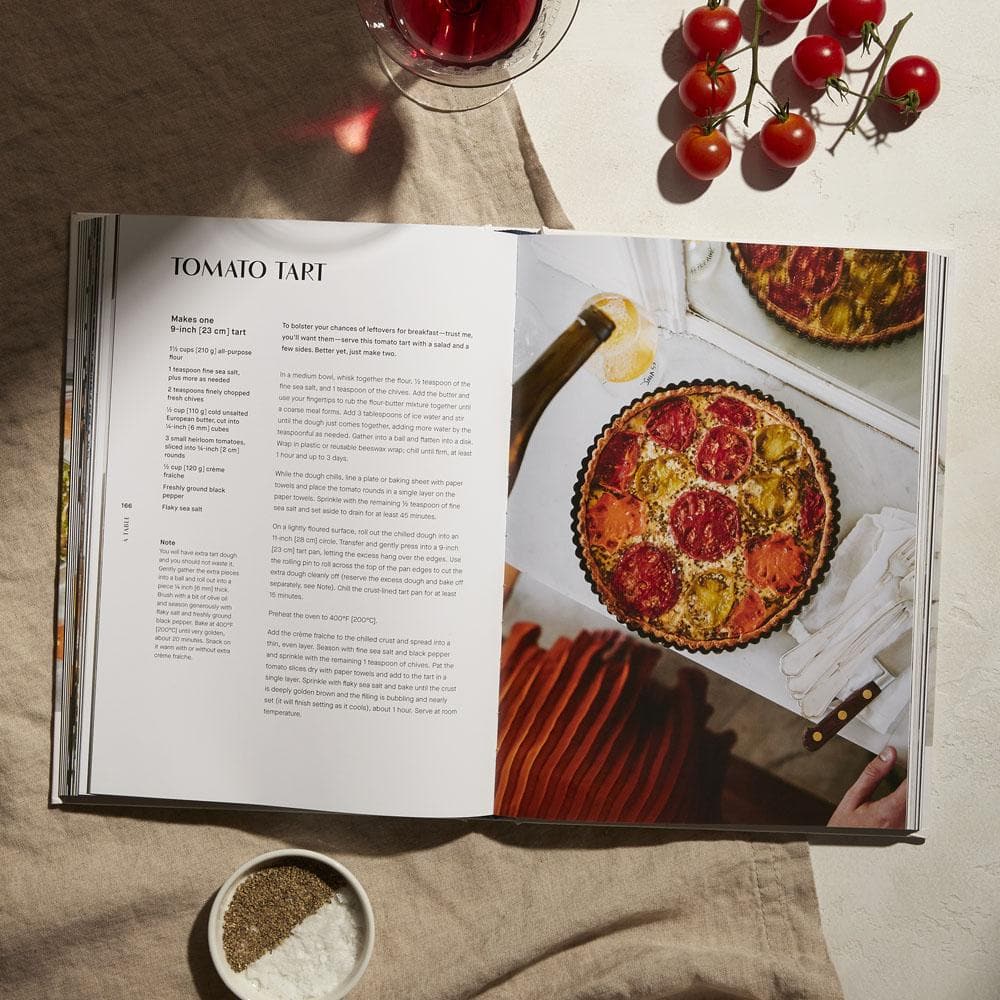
(828, 727)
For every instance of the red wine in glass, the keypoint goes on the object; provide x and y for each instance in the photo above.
(463, 32)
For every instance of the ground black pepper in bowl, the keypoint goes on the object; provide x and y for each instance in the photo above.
(269, 904)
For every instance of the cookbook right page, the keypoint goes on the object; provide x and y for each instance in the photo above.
(713, 536)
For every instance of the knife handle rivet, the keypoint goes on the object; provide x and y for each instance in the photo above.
(817, 737)
(842, 715)
(867, 694)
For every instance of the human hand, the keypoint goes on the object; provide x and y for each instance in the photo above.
(856, 808)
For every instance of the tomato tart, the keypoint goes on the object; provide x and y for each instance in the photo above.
(843, 298)
(705, 515)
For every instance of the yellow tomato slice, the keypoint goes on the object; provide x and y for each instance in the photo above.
(770, 496)
(710, 598)
(778, 445)
(660, 478)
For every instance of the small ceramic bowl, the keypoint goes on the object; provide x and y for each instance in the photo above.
(225, 895)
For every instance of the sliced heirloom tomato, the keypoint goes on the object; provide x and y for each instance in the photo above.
(724, 454)
(672, 424)
(777, 563)
(778, 445)
(812, 514)
(748, 615)
(787, 297)
(612, 521)
(710, 598)
(910, 304)
(769, 497)
(658, 478)
(815, 271)
(762, 256)
(617, 461)
(646, 581)
(706, 524)
(734, 412)
(813, 274)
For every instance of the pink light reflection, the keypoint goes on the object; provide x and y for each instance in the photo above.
(351, 131)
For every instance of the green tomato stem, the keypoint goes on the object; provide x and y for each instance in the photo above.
(863, 95)
(755, 61)
(755, 79)
(869, 96)
(869, 34)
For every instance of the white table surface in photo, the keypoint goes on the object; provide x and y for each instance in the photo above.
(913, 922)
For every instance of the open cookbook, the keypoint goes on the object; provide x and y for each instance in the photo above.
(451, 522)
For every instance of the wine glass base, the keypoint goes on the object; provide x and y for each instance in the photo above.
(438, 96)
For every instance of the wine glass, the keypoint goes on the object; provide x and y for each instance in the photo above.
(455, 55)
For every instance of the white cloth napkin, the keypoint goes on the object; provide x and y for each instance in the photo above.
(858, 623)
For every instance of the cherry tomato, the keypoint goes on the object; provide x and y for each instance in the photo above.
(914, 78)
(789, 10)
(848, 16)
(704, 155)
(817, 59)
(788, 141)
(712, 32)
(707, 93)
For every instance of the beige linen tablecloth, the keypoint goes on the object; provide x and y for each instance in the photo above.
(235, 108)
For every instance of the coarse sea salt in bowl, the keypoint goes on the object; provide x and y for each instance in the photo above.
(291, 925)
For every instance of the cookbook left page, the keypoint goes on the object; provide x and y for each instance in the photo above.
(303, 518)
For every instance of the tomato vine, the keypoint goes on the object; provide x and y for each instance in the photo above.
(712, 33)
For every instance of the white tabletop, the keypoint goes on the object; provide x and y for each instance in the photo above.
(903, 921)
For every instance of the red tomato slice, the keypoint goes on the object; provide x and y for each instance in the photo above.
(706, 524)
(777, 563)
(733, 412)
(672, 424)
(617, 461)
(646, 580)
(613, 520)
(748, 615)
(724, 455)
(815, 271)
(788, 298)
(761, 256)
(812, 513)
(911, 304)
